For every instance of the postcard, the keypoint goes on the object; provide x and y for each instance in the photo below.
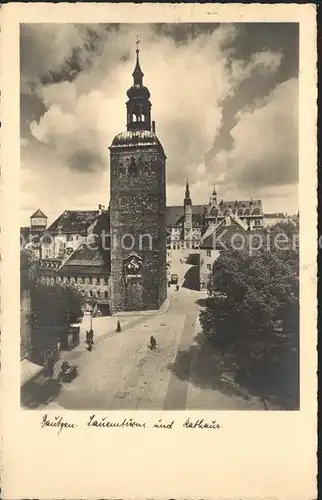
(158, 251)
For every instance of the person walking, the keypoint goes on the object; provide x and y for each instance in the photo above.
(153, 342)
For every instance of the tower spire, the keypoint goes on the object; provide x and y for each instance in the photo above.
(138, 106)
(137, 73)
(187, 199)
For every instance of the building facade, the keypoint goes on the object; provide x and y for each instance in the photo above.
(213, 241)
(184, 224)
(67, 233)
(138, 207)
(249, 211)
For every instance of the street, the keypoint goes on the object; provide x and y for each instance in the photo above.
(122, 372)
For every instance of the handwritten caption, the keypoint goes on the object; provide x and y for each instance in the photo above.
(94, 422)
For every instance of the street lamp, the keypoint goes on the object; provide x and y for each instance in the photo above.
(91, 304)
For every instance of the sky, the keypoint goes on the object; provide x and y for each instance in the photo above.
(224, 99)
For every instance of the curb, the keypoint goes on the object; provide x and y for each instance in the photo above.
(165, 306)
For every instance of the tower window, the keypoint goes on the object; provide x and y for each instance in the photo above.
(142, 118)
(134, 118)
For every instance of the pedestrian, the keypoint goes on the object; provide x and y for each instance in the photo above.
(153, 342)
(118, 327)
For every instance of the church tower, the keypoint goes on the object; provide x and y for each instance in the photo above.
(187, 224)
(137, 207)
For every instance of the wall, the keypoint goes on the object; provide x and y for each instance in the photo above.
(205, 261)
(89, 286)
(25, 328)
(137, 207)
(58, 248)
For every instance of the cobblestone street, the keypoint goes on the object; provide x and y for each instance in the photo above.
(121, 372)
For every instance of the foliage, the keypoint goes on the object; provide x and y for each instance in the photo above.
(52, 305)
(55, 305)
(249, 293)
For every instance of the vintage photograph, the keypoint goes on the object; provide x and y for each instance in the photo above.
(159, 214)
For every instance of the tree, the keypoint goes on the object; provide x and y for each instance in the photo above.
(52, 305)
(55, 306)
(249, 293)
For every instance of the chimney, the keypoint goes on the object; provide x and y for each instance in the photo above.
(153, 127)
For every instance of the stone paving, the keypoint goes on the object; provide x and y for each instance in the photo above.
(121, 372)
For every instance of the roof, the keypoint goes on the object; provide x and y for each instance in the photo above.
(215, 236)
(241, 207)
(91, 259)
(38, 214)
(276, 215)
(74, 221)
(136, 138)
(175, 214)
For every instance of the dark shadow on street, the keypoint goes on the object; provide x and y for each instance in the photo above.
(39, 392)
(202, 302)
(191, 279)
(205, 367)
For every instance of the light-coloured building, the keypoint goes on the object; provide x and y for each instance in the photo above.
(68, 232)
(38, 221)
(249, 211)
(184, 224)
(274, 218)
(229, 229)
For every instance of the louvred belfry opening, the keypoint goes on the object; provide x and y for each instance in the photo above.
(138, 105)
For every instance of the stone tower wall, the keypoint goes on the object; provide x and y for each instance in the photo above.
(137, 208)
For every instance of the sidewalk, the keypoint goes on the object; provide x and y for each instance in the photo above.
(165, 306)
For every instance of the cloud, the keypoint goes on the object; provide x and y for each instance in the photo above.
(188, 83)
(80, 73)
(265, 143)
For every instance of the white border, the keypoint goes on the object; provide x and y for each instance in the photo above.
(256, 454)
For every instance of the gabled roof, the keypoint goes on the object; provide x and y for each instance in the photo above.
(240, 206)
(74, 221)
(216, 235)
(38, 214)
(87, 259)
(175, 214)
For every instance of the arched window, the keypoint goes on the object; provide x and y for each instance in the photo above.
(256, 211)
(240, 212)
(142, 118)
(134, 118)
(247, 212)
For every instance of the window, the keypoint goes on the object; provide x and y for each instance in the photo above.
(257, 222)
(69, 237)
(209, 267)
(106, 294)
(208, 253)
(90, 280)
